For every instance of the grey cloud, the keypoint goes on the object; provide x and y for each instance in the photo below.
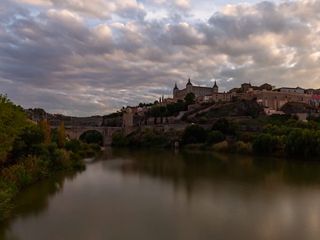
(62, 61)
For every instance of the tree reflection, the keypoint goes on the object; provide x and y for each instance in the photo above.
(35, 200)
(188, 168)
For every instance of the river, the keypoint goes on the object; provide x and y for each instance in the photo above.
(153, 195)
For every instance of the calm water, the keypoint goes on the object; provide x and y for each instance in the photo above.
(164, 195)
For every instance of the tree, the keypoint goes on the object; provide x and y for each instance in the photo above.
(92, 136)
(27, 142)
(303, 143)
(12, 121)
(61, 135)
(194, 134)
(46, 129)
(266, 144)
(223, 126)
(190, 98)
(215, 137)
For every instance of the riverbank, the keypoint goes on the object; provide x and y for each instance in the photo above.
(278, 136)
(31, 169)
(30, 152)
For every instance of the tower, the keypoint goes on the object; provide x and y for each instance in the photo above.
(189, 86)
(175, 90)
(215, 87)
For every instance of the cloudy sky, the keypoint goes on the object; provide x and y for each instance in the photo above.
(84, 57)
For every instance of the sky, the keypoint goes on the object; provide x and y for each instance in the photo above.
(82, 58)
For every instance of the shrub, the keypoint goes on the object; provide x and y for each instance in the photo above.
(119, 140)
(224, 126)
(6, 195)
(215, 137)
(221, 146)
(26, 141)
(194, 134)
(265, 144)
(73, 145)
(304, 143)
(242, 147)
(92, 136)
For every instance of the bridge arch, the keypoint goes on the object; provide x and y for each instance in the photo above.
(92, 136)
(106, 132)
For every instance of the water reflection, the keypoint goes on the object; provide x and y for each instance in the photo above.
(166, 195)
(34, 201)
(189, 167)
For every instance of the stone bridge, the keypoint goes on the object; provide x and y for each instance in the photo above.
(75, 132)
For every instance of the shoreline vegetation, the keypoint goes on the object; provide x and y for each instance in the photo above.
(30, 152)
(275, 136)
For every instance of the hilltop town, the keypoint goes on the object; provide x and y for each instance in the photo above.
(264, 100)
(196, 104)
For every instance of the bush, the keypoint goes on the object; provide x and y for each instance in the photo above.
(242, 147)
(265, 144)
(194, 134)
(215, 137)
(221, 146)
(73, 145)
(12, 121)
(303, 143)
(6, 196)
(224, 126)
(92, 136)
(119, 140)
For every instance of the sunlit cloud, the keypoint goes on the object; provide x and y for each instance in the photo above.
(93, 57)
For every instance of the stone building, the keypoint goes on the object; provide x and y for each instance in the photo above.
(276, 100)
(198, 91)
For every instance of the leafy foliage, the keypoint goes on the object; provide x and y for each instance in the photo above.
(215, 137)
(61, 135)
(265, 144)
(12, 121)
(223, 125)
(92, 136)
(194, 134)
(190, 98)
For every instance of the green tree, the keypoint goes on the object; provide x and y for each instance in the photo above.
(190, 98)
(92, 136)
(303, 143)
(12, 121)
(61, 135)
(194, 134)
(46, 130)
(223, 125)
(215, 137)
(266, 144)
(27, 141)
